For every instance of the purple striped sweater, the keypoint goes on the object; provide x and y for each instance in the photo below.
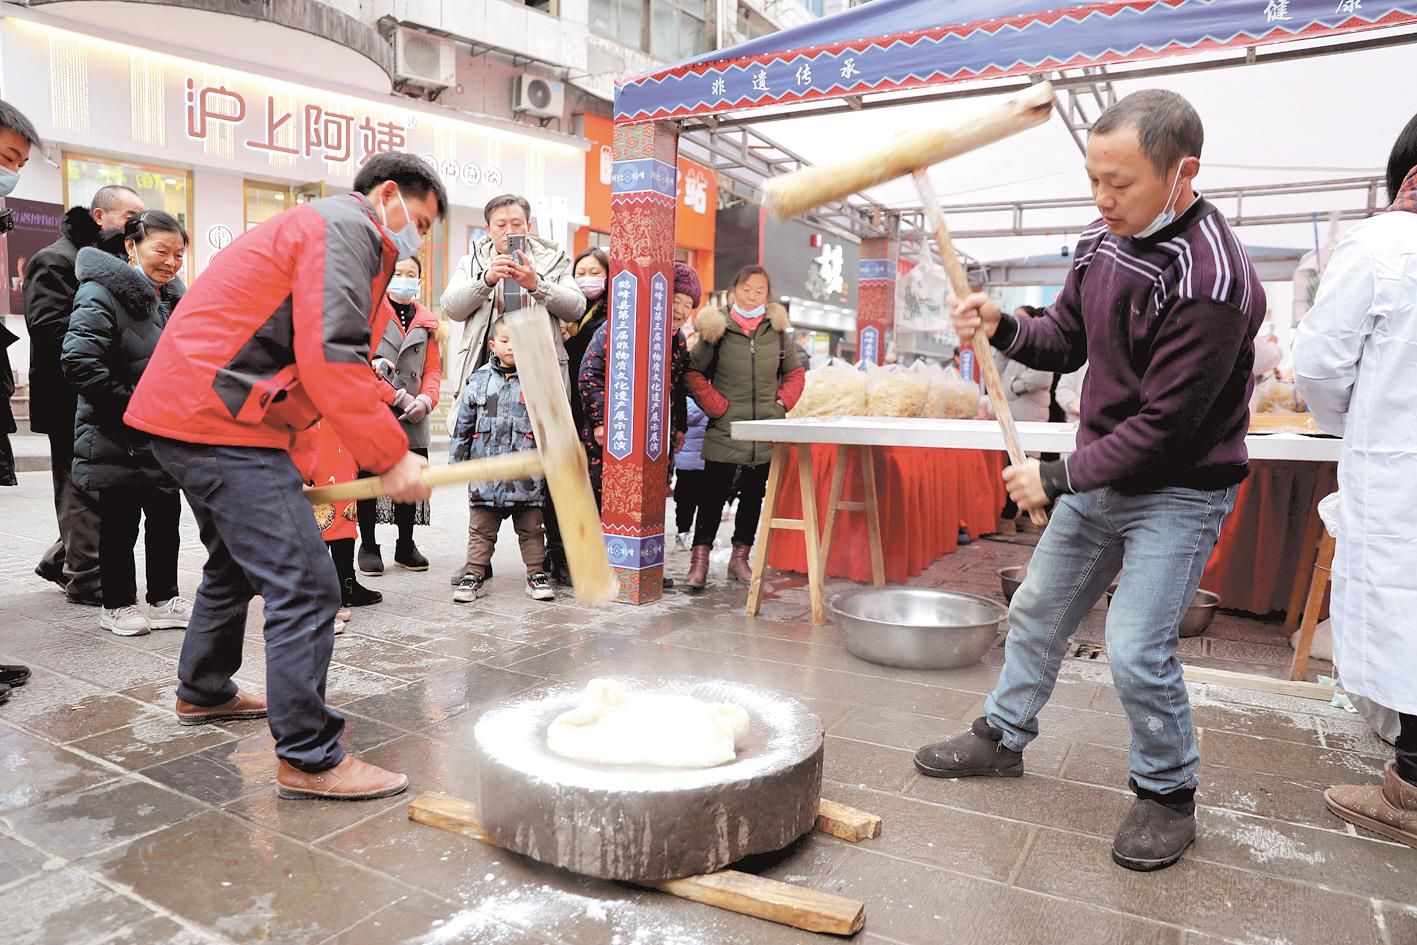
(1167, 327)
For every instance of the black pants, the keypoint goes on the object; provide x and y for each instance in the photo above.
(1407, 748)
(718, 483)
(120, 509)
(75, 554)
(403, 514)
(690, 493)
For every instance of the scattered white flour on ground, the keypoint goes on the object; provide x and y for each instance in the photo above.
(1267, 844)
(596, 911)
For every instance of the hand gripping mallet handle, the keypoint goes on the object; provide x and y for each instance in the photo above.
(959, 282)
(512, 466)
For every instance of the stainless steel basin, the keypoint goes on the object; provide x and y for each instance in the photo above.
(1197, 616)
(917, 628)
(1010, 579)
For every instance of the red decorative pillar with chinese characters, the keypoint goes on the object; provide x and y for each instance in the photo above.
(875, 309)
(637, 382)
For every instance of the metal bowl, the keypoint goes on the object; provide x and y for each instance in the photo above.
(1011, 579)
(917, 628)
(1197, 616)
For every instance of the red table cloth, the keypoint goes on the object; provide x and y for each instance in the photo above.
(1261, 548)
(924, 496)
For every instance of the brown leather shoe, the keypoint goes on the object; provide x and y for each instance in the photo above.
(243, 705)
(350, 780)
(698, 567)
(1389, 809)
(739, 567)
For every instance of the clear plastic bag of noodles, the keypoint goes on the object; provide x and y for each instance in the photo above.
(961, 397)
(837, 390)
(894, 391)
(1274, 395)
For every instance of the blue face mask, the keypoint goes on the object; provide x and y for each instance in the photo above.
(1167, 216)
(8, 181)
(403, 288)
(751, 312)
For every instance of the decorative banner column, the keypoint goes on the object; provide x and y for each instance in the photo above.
(637, 418)
(875, 308)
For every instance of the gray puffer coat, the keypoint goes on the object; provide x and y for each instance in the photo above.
(493, 421)
(117, 319)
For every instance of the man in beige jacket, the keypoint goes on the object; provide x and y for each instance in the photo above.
(474, 297)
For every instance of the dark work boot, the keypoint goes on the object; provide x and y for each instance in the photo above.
(371, 562)
(978, 753)
(407, 555)
(357, 595)
(556, 567)
(1156, 831)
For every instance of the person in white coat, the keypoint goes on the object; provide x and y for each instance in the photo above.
(1355, 360)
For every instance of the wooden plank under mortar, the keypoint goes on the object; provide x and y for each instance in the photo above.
(732, 890)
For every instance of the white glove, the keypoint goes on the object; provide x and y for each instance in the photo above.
(402, 399)
(415, 412)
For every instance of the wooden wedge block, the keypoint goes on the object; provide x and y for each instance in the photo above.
(738, 892)
(769, 899)
(449, 813)
(847, 823)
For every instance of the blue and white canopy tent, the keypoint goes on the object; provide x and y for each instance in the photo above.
(1302, 134)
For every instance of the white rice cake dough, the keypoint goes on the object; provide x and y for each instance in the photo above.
(614, 726)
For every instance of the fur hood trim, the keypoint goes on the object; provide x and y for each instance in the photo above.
(79, 228)
(127, 285)
(711, 323)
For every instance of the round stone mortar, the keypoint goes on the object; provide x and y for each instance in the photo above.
(640, 822)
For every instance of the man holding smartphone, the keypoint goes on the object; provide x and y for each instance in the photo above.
(511, 270)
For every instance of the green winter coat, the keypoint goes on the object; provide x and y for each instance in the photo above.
(742, 378)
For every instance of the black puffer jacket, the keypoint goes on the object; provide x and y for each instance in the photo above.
(50, 284)
(117, 320)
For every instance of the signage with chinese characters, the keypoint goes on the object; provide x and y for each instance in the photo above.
(657, 400)
(620, 367)
(634, 553)
(870, 345)
(159, 108)
(824, 278)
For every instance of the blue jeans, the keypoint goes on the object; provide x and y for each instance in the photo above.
(261, 538)
(1160, 541)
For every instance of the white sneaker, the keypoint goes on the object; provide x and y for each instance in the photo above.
(127, 621)
(684, 540)
(170, 614)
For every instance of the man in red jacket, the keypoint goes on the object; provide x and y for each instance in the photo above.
(274, 336)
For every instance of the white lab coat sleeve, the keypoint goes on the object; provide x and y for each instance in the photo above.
(1330, 339)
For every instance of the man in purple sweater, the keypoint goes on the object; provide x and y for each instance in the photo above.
(1163, 305)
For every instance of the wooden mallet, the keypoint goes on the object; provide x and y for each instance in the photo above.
(559, 457)
(913, 154)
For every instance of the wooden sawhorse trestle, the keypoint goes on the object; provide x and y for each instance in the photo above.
(817, 548)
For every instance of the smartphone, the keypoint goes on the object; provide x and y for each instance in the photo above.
(511, 290)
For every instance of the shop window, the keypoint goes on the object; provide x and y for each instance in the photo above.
(162, 188)
(667, 29)
(264, 201)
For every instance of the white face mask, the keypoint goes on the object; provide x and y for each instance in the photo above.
(407, 240)
(1168, 214)
(9, 180)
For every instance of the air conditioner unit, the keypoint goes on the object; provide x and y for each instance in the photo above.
(533, 95)
(423, 59)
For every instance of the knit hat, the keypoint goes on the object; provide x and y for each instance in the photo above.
(686, 282)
